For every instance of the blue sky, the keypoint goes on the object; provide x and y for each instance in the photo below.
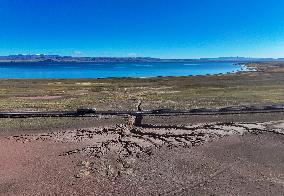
(156, 28)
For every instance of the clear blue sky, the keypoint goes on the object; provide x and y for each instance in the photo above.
(156, 28)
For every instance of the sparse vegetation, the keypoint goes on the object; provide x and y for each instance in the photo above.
(263, 87)
(266, 86)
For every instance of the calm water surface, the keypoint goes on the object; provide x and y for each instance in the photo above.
(107, 70)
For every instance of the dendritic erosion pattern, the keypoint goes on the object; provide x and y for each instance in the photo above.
(129, 141)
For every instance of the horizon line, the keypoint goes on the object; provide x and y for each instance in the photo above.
(60, 55)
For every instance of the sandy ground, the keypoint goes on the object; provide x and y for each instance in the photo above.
(193, 159)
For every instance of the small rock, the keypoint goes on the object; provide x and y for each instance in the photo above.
(85, 164)
(83, 173)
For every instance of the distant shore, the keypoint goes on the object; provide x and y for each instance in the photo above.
(68, 59)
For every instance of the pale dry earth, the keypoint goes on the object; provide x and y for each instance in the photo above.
(228, 158)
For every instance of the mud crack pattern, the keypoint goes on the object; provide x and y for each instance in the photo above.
(136, 141)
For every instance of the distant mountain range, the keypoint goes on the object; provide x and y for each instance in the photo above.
(58, 58)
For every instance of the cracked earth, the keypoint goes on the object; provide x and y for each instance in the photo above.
(192, 159)
(133, 141)
(113, 150)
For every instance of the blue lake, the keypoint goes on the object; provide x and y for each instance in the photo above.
(107, 70)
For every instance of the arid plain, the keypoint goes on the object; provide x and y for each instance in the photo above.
(177, 155)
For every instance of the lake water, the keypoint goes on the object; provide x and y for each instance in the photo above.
(107, 70)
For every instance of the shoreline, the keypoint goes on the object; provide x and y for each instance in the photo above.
(187, 92)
